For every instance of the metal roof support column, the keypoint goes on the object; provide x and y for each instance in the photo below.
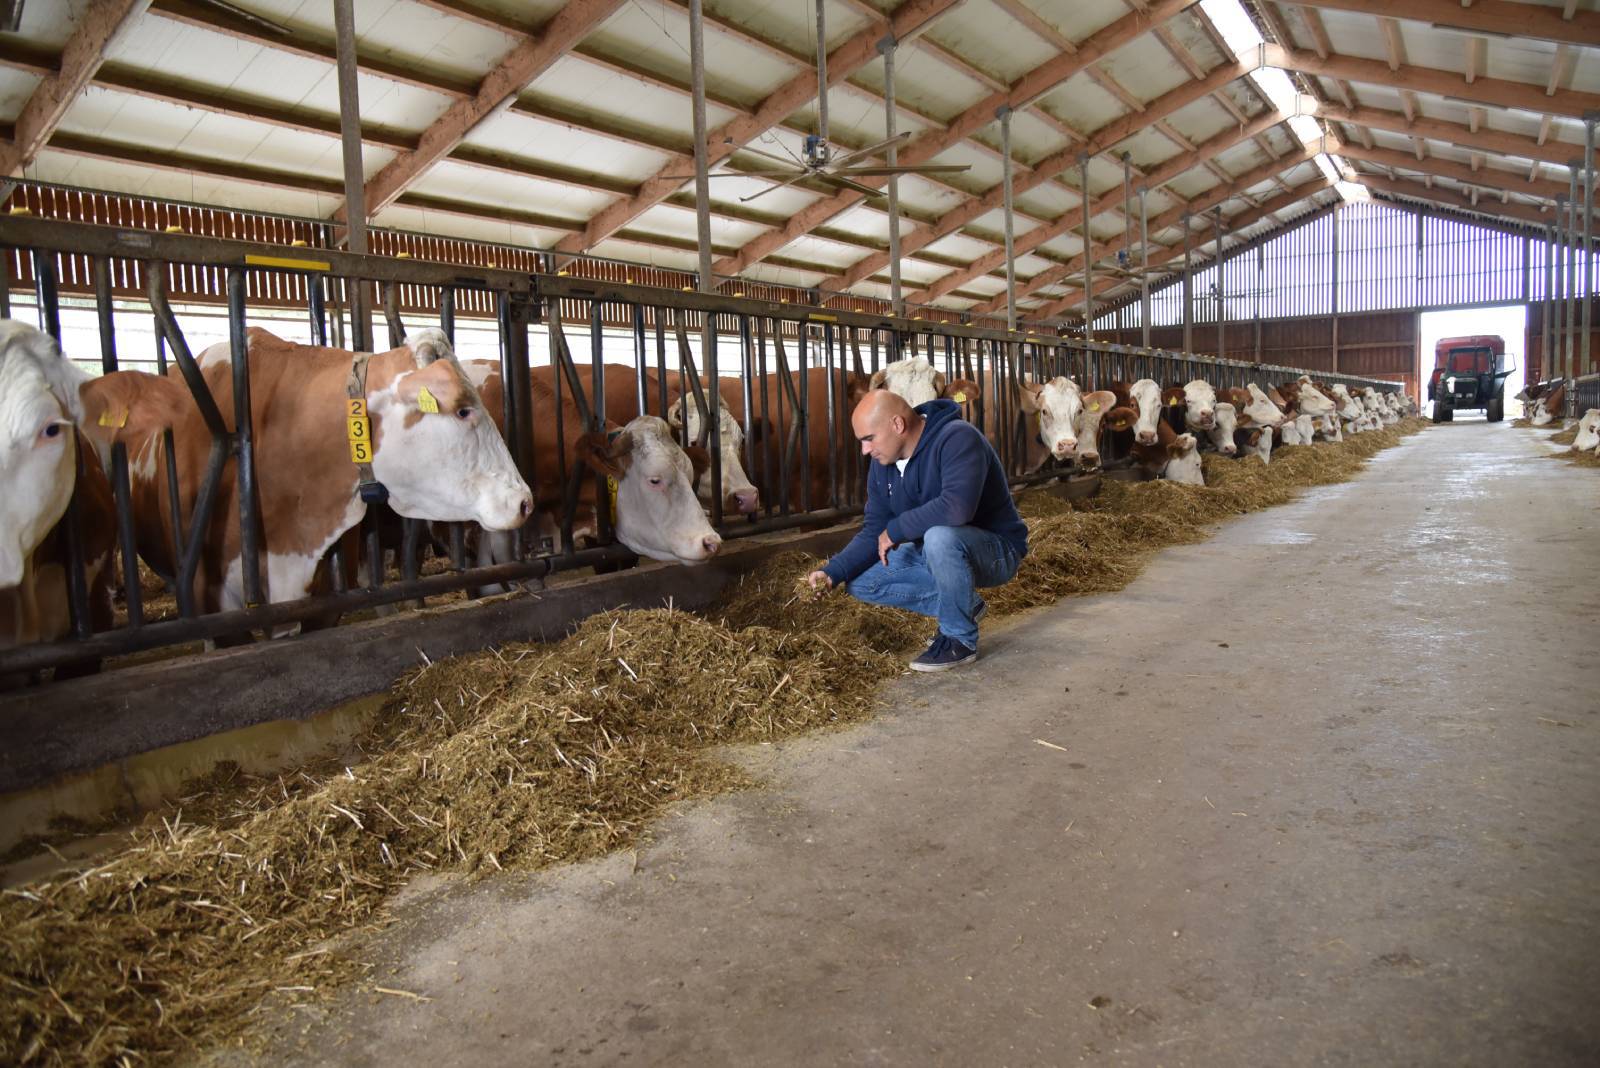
(1333, 271)
(1547, 310)
(1188, 290)
(702, 184)
(1589, 120)
(1560, 308)
(896, 299)
(1088, 249)
(1144, 267)
(1222, 311)
(1011, 236)
(1571, 350)
(355, 194)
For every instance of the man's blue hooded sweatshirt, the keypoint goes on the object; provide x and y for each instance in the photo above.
(953, 479)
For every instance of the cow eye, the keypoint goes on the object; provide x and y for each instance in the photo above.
(52, 430)
(463, 413)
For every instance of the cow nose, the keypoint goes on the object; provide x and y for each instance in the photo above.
(711, 543)
(525, 506)
(1065, 446)
(745, 501)
(1146, 437)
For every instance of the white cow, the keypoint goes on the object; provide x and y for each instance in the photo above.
(1224, 422)
(1185, 467)
(1588, 439)
(1069, 419)
(1145, 397)
(1199, 405)
(1261, 410)
(737, 491)
(916, 380)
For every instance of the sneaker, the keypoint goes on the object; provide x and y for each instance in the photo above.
(943, 654)
(983, 609)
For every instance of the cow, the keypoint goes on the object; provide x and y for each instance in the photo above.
(915, 379)
(425, 434)
(1171, 455)
(1144, 399)
(53, 420)
(1199, 405)
(1069, 419)
(1308, 398)
(1254, 441)
(1588, 439)
(1551, 405)
(1256, 406)
(650, 492)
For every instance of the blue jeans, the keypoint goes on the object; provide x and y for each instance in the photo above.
(940, 577)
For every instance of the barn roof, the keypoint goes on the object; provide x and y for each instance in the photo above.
(567, 126)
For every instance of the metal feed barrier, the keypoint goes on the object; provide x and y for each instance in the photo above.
(764, 339)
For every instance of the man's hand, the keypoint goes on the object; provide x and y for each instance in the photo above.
(885, 543)
(819, 582)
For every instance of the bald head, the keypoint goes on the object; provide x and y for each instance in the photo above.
(886, 426)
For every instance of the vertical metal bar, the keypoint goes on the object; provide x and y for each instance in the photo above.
(447, 313)
(1589, 120)
(697, 92)
(46, 293)
(121, 489)
(897, 304)
(1144, 269)
(1547, 314)
(1333, 271)
(1568, 350)
(1222, 310)
(801, 413)
(640, 361)
(834, 429)
(712, 415)
(355, 197)
(391, 314)
(244, 441)
(317, 309)
(1004, 114)
(1088, 249)
(1188, 289)
(768, 430)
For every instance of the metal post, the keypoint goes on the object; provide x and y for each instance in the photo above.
(1589, 120)
(1011, 245)
(1570, 351)
(1144, 267)
(1547, 311)
(1088, 249)
(1188, 290)
(1333, 268)
(244, 443)
(1222, 309)
(355, 196)
(896, 301)
(702, 184)
(822, 74)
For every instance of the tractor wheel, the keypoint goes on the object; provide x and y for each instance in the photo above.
(1497, 408)
(1443, 413)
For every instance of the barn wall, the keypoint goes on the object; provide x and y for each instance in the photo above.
(1533, 346)
(1375, 344)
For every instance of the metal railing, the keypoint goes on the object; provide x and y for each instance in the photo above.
(1582, 394)
(761, 356)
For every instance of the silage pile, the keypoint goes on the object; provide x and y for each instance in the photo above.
(1565, 437)
(529, 755)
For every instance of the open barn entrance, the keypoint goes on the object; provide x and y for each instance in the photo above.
(1509, 321)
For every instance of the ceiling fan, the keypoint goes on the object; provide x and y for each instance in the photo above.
(820, 160)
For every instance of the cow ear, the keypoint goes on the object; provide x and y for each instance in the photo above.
(877, 380)
(430, 345)
(700, 459)
(1121, 418)
(938, 383)
(961, 390)
(1101, 400)
(677, 411)
(1028, 397)
(130, 405)
(605, 455)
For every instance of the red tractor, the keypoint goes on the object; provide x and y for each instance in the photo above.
(1469, 372)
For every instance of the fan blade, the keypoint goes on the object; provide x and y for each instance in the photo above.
(834, 179)
(733, 174)
(781, 185)
(927, 168)
(870, 150)
(785, 160)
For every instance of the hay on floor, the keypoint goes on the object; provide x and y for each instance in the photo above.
(250, 893)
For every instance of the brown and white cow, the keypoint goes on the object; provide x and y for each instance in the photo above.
(656, 513)
(915, 379)
(433, 447)
(1171, 455)
(1588, 439)
(1551, 405)
(1069, 419)
(49, 412)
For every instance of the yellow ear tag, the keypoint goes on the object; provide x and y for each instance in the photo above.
(1094, 406)
(1172, 403)
(120, 421)
(611, 491)
(426, 402)
(960, 398)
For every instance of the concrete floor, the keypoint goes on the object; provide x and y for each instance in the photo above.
(1321, 790)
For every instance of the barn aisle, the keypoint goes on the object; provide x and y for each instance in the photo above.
(1318, 790)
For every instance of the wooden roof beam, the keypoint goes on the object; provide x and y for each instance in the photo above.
(513, 73)
(1498, 18)
(1450, 198)
(1442, 168)
(1492, 92)
(1025, 91)
(855, 53)
(1482, 139)
(85, 50)
(1056, 163)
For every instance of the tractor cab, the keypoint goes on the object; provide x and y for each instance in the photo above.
(1469, 372)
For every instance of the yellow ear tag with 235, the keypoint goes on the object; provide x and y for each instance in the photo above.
(427, 402)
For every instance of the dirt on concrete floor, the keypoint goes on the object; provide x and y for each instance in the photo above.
(1317, 790)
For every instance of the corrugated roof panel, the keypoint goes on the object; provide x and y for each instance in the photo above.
(960, 247)
(521, 135)
(673, 221)
(634, 252)
(1083, 104)
(16, 86)
(409, 32)
(1190, 33)
(822, 252)
(51, 24)
(867, 220)
(1361, 35)
(66, 169)
(460, 182)
(1078, 19)
(592, 87)
(657, 37)
(778, 201)
(1149, 149)
(788, 276)
(1192, 183)
(991, 39)
(995, 222)
(1241, 157)
(1145, 68)
(1049, 200)
(923, 195)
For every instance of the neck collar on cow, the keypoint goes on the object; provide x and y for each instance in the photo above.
(370, 489)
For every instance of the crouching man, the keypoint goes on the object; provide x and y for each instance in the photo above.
(940, 523)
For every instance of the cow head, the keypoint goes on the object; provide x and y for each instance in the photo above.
(913, 378)
(1096, 406)
(1310, 399)
(1588, 438)
(1200, 403)
(1225, 420)
(39, 406)
(658, 515)
(437, 449)
(738, 495)
(1059, 405)
(1349, 408)
(1145, 396)
(1183, 464)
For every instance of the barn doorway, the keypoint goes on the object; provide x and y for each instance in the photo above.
(1510, 321)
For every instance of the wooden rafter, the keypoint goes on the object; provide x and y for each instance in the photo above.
(1438, 195)
(48, 104)
(1500, 18)
(1024, 91)
(1442, 168)
(1481, 139)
